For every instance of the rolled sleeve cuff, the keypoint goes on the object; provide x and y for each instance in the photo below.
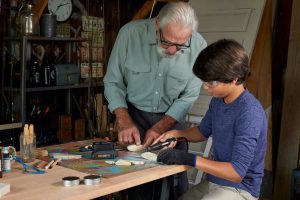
(178, 112)
(117, 104)
(239, 168)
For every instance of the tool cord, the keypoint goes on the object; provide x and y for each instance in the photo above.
(27, 168)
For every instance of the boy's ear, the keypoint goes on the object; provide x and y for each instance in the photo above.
(234, 81)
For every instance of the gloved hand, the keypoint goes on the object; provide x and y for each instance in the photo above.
(171, 156)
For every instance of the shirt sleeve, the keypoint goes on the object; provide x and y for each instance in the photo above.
(114, 87)
(247, 133)
(183, 104)
(205, 126)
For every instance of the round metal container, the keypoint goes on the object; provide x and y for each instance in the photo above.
(71, 181)
(48, 25)
(92, 180)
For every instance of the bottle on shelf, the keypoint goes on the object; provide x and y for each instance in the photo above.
(35, 72)
(47, 71)
(29, 21)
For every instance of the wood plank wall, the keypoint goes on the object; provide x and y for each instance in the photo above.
(290, 126)
(259, 81)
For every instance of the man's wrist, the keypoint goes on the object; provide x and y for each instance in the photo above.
(164, 124)
(123, 118)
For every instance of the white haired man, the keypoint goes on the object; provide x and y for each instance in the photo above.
(149, 83)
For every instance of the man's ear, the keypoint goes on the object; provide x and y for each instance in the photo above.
(156, 23)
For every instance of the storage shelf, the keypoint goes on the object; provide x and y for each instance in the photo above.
(60, 87)
(10, 126)
(63, 87)
(63, 39)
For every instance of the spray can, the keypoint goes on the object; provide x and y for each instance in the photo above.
(6, 160)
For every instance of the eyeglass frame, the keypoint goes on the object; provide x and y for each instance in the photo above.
(170, 44)
(211, 84)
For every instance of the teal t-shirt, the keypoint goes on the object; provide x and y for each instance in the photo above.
(137, 74)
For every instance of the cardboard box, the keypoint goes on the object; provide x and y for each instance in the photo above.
(97, 54)
(90, 23)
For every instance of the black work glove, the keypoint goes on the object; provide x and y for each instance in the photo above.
(172, 156)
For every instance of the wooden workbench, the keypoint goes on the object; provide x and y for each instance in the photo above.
(50, 185)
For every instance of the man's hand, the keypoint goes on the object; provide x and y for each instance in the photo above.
(129, 136)
(150, 136)
(157, 129)
(128, 133)
(172, 156)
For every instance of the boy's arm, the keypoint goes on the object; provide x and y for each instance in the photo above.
(220, 169)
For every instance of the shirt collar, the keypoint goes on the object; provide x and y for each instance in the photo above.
(151, 32)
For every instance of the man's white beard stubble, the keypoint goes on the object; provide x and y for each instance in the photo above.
(163, 53)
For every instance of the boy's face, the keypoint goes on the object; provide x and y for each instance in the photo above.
(219, 89)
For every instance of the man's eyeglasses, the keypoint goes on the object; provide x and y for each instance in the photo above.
(170, 44)
(211, 84)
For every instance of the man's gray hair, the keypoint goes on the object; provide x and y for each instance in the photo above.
(178, 12)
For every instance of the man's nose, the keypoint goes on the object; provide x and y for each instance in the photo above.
(171, 50)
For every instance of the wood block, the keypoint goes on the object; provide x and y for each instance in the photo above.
(4, 189)
(64, 128)
(79, 129)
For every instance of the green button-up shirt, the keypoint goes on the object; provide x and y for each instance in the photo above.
(137, 74)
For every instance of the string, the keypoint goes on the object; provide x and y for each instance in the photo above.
(29, 169)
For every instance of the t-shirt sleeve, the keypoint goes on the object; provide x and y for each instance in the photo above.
(205, 126)
(248, 128)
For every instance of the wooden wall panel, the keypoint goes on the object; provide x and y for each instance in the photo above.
(290, 126)
(260, 80)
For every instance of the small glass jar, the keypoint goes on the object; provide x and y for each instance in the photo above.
(29, 21)
(27, 148)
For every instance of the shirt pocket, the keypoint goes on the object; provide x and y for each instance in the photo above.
(135, 74)
(175, 83)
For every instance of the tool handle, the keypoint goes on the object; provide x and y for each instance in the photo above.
(161, 145)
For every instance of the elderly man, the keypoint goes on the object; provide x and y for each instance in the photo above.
(149, 84)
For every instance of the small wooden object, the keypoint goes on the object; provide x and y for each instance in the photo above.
(79, 129)
(64, 128)
(55, 162)
(49, 164)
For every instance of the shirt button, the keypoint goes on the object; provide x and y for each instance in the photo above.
(156, 92)
(159, 74)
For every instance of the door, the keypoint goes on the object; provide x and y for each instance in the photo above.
(230, 19)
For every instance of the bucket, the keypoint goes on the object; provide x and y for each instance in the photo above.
(48, 25)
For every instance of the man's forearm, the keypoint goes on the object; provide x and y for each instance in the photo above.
(123, 118)
(164, 124)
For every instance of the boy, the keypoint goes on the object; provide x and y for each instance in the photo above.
(235, 120)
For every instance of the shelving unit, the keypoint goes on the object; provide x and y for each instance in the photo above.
(26, 43)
